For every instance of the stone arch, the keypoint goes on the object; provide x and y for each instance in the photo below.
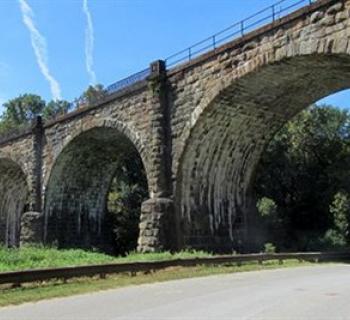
(271, 51)
(13, 200)
(237, 119)
(122, 127)
(76, 191)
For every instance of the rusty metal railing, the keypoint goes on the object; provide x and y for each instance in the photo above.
(238, 29)
(19, 277)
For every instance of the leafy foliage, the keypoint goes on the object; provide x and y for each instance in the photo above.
(338, 236)
(23, 109)
(266, 207)
(20, 111)
(128, 190)
(269, 248)
(55, 108)
(303, 168)
(340, 208)
(91, 95)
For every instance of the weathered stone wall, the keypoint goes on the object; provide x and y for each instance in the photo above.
(199, 129)
(76, 194)
(227, 105)
(16, 183)
(31, 228)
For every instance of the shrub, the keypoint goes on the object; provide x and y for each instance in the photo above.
(340, 209)
(269, 248)
(334, 239)
(266, 207)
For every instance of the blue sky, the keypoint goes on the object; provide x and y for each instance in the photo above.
(128, 35)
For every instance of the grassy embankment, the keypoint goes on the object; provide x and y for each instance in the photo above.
(31, 258)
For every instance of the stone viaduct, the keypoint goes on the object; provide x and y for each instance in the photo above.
(199, 128)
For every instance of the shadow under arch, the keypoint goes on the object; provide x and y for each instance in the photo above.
(215, 207)
(13, 200)
(76, 191)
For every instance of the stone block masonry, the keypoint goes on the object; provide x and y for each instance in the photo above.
(199, 128)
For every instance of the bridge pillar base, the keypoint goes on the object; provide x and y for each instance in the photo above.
(155, 234)
(31, 228)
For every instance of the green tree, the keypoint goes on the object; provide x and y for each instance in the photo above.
(22, 109)
(25, 108)
(127, 191)
(338, 236)
(55, 108)
(266, 207)
(304, 165)
(92, 94)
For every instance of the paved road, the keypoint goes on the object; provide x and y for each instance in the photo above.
(320, 292)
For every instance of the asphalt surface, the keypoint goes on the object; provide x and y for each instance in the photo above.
(315, 292)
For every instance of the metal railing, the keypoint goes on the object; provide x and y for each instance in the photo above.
(19, 277)
(237, 30)
(122, 84)
(113, 88)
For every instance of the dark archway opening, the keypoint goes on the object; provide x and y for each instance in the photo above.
(127, 191)
(13, 202)
(303, 182)
(95, 192)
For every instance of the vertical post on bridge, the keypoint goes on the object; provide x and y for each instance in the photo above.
(36, 199)
(32, 220)
(157, 230)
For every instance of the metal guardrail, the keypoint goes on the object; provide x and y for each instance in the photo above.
(19, 277)
(238, 29)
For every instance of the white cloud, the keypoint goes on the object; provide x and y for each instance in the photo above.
(89, 43)
(40, 48)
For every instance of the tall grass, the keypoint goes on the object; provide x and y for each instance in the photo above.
(36, 257)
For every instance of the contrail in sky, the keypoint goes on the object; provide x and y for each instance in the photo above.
(40, 48)
(89, 43)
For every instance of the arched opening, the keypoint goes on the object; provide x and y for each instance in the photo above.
(13, 200)
(94, 193)
(302, 182)
(215, 200)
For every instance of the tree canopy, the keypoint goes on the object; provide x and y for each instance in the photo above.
(25, 108)
(303, 171)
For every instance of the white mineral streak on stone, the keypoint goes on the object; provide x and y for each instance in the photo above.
(229, 133)
(77, 189)
(13, 197)
(223, 111)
